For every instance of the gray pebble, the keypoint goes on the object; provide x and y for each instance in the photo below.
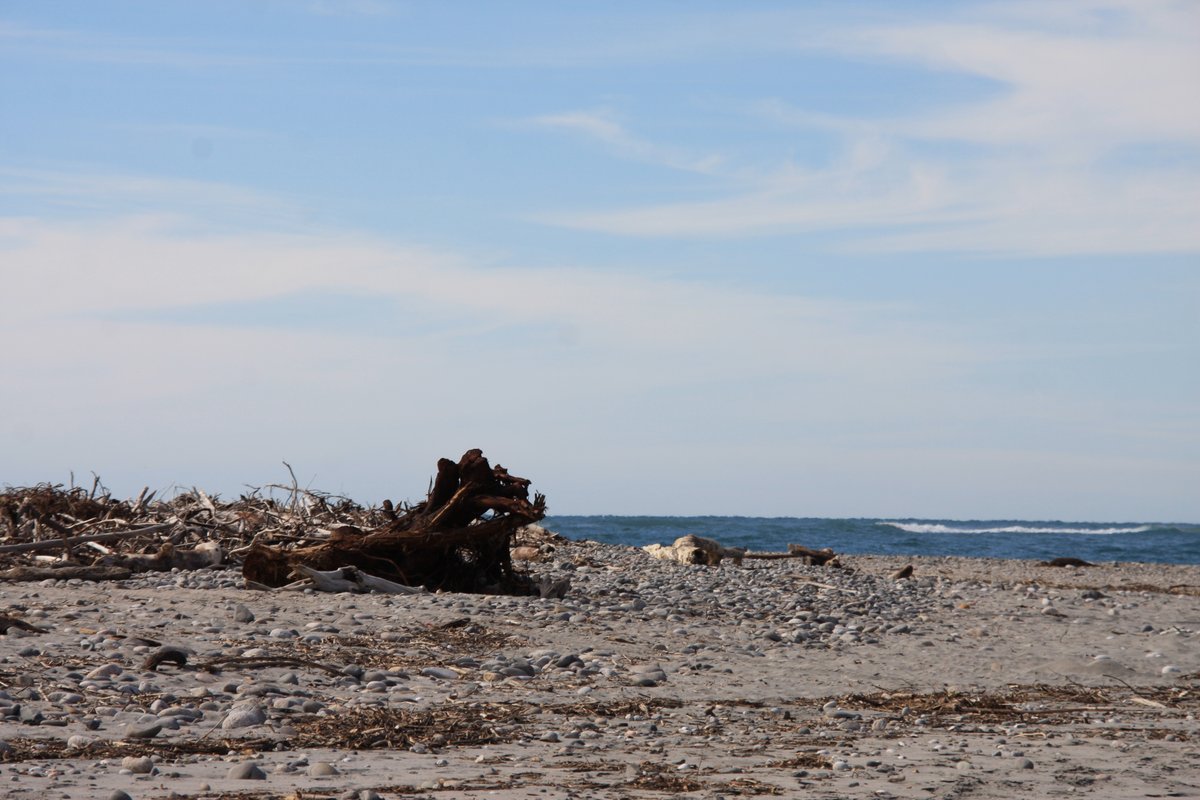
(138, 765)
(440, 672)
(244, 717)
(246, 771)
(143, 731)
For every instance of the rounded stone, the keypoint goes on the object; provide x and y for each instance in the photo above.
(143, 731)
(246, 771)
(138, 765)
(244, 717)
(321, 769)
(440, 672)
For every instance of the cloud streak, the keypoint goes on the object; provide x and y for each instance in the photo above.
(602, 127)
(1048, 167)
(117, 309)
(129, 316)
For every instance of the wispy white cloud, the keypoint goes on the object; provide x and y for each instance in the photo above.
(1067, 89)
(112, 193)
(574, 349)
(603, 127)
(610, 365)
(76, 271)
(78, 45)
(1045, 169)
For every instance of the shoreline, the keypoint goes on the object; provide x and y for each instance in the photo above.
(987, 678)
(1114, 575)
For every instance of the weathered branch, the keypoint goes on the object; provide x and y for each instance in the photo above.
(56, 544)
(456, 540)
(24, 574)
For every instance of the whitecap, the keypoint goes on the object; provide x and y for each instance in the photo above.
(933, 527)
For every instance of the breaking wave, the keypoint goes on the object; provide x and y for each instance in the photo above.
(928, 527)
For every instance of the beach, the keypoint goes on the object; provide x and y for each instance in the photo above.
(978, 678)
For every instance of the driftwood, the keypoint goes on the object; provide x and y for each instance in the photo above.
(7, 623)
(819, 558)
(165, 655)
(65, 573)
(698, 550)
(93, 529)
(70, 541)
(349, 579)
(695, 550)
(203, 555)
(811, 557)
(1065, 562)
(457, 539)
(118, 568)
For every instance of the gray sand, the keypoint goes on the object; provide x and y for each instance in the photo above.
(975, 678)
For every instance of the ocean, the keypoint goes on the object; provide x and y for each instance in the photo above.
(1171, 543)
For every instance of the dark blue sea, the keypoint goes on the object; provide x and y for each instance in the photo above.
(1174, 543)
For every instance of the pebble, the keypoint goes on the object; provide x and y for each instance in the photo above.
(441, 673)
(321, 769)
(138, 765)
(246, 771)
(244, 717)
(710, 622)
(143, 731)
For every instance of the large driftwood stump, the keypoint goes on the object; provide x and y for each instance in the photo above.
(456, 540)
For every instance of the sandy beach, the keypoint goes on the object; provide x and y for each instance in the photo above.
(974, 678)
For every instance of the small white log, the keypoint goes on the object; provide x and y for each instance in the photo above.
(352, 579)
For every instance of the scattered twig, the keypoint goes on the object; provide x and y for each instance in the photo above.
(54, 544)
(253, 662)
(1125, 684)
(7, 622)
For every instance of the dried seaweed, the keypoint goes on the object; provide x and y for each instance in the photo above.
(24, 748)
(803, 761)
(644, 706)
(1017, 703)
(456, 725)
(662, 778)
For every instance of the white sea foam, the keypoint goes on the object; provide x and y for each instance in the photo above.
(927, 527)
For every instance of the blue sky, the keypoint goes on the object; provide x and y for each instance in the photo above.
(822, 259)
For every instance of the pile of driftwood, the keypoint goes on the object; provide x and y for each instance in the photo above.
(457, 539)
(699, 550)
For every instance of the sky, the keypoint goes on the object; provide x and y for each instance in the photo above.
(890, 259)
